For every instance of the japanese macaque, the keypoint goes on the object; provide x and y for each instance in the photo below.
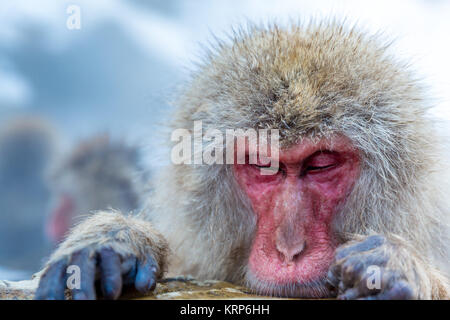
(28, 146)
(97, 175)
(358, 194)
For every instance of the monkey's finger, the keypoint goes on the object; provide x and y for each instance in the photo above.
(129, 270)
(357, 266)
(401, 290)
(352, 270)
(369, 286)
(350, 294)
(85, 260)
(110, 273)
(360, 286)
(395, 287)
(52, 282)
(333, 277)
(369, 243)
(146, 275)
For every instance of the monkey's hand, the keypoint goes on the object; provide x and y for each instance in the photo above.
(375, 268)
(109, 247)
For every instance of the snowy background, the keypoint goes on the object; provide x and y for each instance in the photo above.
(117, 72)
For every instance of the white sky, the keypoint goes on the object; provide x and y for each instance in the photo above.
(420, 27)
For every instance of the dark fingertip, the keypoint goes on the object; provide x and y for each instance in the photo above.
(350, 294)
(145, 281)
(87, 262)
(400, 291)
(349, 274)
(80, 295)
(331, 283)
(129, 268)
(111, 275)
(341, 287)
(111, 291)
(374, 297)
(53, 282)
(152, 284)
(83, 294)
(146, 276)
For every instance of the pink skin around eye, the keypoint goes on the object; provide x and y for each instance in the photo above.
(323, 160)
(294, 243)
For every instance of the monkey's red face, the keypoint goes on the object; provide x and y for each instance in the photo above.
(60, 219)
(293, 246)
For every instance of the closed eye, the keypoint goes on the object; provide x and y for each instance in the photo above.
(319, 169)
(262, 166)
(321, 161)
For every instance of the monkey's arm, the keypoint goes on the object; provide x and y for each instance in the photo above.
(401, 272)
(110, 247)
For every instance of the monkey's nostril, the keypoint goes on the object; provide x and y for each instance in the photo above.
(290, 253)
(295, 256)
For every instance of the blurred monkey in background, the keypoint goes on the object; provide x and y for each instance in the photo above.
(97, 175)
